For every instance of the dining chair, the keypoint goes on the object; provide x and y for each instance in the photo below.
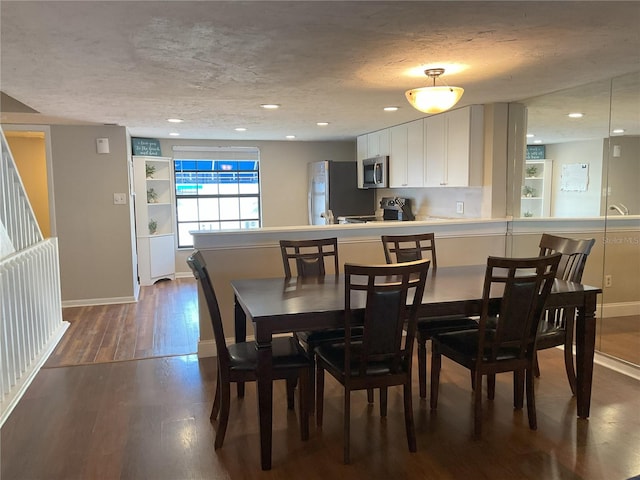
(557, 325)
(407, 248)
(238, 362)
(382, 357)
(506, 335)
(307, 258)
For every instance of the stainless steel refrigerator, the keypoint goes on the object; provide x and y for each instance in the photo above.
(334, 192)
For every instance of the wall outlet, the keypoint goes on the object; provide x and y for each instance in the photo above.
(608, 281)
(119, 198)
(459, 207)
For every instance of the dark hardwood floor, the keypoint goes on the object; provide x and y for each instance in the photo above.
(163, 322)
(149, 419)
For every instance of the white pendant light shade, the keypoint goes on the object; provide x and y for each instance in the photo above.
(434, 99)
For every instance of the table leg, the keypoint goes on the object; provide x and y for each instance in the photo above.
(265, 397)
(585, 351)
(241, 334)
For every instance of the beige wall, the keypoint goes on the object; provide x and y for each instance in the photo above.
(94, 235)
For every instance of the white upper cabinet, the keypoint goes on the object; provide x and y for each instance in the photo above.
(406, 160)
(453, 148)
(378, 143)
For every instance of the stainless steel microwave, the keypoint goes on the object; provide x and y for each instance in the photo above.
(375, 172)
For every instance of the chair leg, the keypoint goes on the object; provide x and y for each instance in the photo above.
(291, 390)
(477, 406)
(312, 385)
(536, 365)
(422, 365)
(216, 399)
(347, 426)
(408, 417)
(531, 401)
(305, 380)
(568, 354)
(370, 395)
(225, 401)
(383, 401)
(436, 362)
(518, 389)
(491, 386)
(319, 394)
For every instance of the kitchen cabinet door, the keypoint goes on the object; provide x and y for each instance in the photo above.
(454, 148)
(435, 135)
(378, 143)
(406, 160)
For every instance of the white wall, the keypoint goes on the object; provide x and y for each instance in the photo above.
(576, 204)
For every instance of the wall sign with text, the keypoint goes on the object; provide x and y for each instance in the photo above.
(536, 152)
(149, 147)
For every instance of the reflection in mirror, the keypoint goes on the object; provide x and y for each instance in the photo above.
(569, 183)
(619, 326)
(594, 167)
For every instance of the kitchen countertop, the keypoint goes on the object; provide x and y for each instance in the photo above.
(442, 227)
(345, 232)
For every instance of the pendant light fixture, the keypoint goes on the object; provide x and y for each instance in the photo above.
(434, 99)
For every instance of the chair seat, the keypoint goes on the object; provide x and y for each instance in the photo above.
(287, 353)
(467, 342)
(316, 337)
(333, 354)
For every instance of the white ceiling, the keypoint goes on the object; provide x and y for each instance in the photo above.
(213, 63)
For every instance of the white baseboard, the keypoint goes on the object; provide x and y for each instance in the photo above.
(90, 302)
(621, 309)
(618, 365)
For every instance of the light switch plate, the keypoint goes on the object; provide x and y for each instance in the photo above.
(119, 198)
(459, 207)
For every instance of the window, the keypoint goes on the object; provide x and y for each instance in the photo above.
(221, 192)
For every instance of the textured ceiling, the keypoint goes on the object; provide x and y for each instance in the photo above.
(213, 63)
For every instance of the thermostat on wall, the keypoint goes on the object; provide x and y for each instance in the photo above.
(102, 145)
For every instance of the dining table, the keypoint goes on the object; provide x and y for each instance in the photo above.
(285, 305)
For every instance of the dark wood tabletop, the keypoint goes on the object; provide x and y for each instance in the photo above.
(279, 305)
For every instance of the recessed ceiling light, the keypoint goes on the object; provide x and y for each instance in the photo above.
(241, 129)
(530, 135)
(290, 137)
(175, 120)
(322, 124)
(537, 141)
(270, 106)
(618, 131)
(390, 109)
(575, 115)
(174, 134)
